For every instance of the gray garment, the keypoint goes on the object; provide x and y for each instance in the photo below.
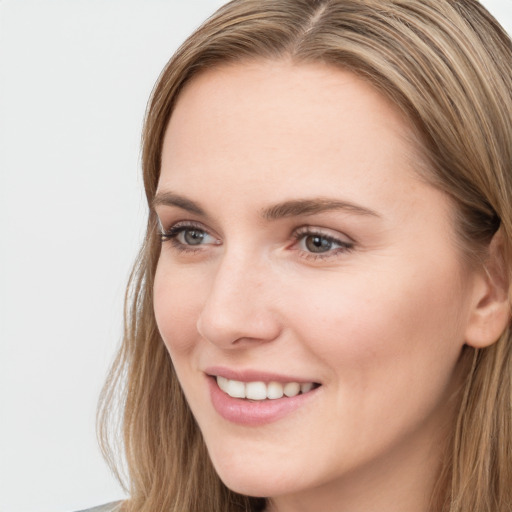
(108, 507)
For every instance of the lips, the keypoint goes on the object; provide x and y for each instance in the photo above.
(252, 398)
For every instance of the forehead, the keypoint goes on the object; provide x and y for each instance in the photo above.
(275, 121)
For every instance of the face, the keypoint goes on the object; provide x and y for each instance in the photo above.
(309, 289)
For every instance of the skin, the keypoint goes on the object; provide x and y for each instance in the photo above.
(380, 325)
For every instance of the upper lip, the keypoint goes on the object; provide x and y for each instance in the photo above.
(252, 375)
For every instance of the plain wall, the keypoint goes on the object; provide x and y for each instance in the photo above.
(75, 76)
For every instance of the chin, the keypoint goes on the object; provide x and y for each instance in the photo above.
(245, 476)
(255, 485)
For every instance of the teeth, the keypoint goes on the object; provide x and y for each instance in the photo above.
(261, 390)
(274, 390)
(235, 388)
(304, 388)
(222, 382)
(292, 389)
(256, 391)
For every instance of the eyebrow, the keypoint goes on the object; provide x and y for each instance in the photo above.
(172, 199)
(297, 207)
(292, 208)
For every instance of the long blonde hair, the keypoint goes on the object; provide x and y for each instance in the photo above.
(447, 65)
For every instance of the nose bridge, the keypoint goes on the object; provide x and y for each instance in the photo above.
(238, 304)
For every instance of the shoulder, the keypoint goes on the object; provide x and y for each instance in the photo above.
(115, 506)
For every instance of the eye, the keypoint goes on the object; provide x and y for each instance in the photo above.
(315, 243)
(185, 236)
(191, 236)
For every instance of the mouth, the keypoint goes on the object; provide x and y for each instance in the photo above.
(260, 390)
(253, 398)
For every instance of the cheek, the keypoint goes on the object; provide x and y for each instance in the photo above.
(390, 350)
(176, 301)
(384, 327)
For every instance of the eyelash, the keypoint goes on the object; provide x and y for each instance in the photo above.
(300, 234)
(173, 232)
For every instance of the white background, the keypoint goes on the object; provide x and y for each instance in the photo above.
(75, 76)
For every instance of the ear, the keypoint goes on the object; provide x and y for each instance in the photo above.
(490, 314)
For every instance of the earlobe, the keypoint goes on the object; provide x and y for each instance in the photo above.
(491, 312)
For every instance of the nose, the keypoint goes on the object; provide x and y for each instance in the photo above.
(240, 309)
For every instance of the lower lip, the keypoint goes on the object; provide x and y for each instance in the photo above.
(253, 413)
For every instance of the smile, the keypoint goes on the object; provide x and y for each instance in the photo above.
(259, 390)
(253, 397)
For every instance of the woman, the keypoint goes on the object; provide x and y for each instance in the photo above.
(319, 317)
